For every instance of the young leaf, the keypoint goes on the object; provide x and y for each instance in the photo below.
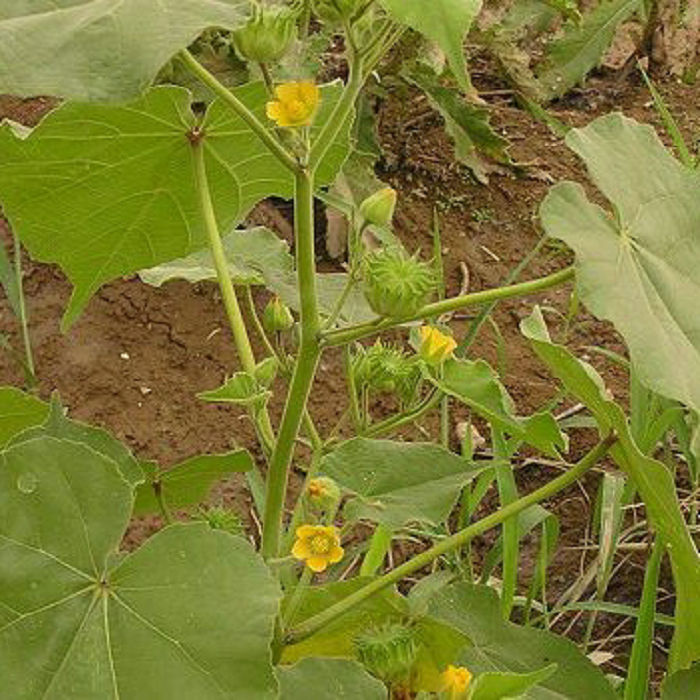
(466, 123)
(396, 483)
(653, 480)
(107, 191)
(503, 646)
(446, 23)
(97, 50)
(330, 679)
(241, 389)
(189, 614)
(476, 384)
(19, 411)
(637, 269)
(582, 47)
(190, 482)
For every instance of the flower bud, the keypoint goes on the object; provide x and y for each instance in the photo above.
(221, 518)
(388, 652)
(268, 34)
(335, 10)
(435, 347)
(323, 493)
(276, 316)
(378, 209)
(397, 285)
(386, 369)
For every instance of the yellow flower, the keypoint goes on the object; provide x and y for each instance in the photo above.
(436, 347)
(295, 105)
(455, 681)
(318, 546)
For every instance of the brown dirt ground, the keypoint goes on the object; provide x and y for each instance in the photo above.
(136, 358)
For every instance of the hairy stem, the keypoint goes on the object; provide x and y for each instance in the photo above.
(459, 539)
(347, 335)
(304, 369)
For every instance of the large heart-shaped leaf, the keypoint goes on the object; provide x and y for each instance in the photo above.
(498, 645)
(106, 191)
(395, 483)
(189, 614)
(19, 411)
(446, 23)
(638, 268)
(652, 479)
(328, 679)
(100, 50)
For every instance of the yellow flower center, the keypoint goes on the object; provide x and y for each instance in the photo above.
(296, 109)
(320, 544)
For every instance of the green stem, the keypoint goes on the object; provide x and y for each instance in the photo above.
(378, 547)
(296, 598)
(346, 335)
(316, 622)
(253, 313)
(28, 357)
(304, 369)
(162, 503)
(228, 292)
(338, 117)
(272, 144)
(401, 419)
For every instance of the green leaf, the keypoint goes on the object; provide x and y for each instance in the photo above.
(447, 24)
(189, 482)
(19, 411)
(189, 614)
(99, 50)
(467, 124)
(106, 191)
(477, 385)
(241, 389)
(395, 483)
(328, 679)
(249, 254)
(58, 425)
(503, 646)
(639, 268)
(652, 479)
(682, 685)
(494, 685)
(583, 46)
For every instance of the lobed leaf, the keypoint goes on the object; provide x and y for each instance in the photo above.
(189, 614)
(638, 268)
(106, 191)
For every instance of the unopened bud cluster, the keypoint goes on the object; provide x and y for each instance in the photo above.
(268, 34)
(385, 368)
(388, 652)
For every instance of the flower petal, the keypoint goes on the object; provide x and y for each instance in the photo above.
(304, 531)
(301, 550)
(336, 554)
(317, 564)
(286, 92)
(308, 92)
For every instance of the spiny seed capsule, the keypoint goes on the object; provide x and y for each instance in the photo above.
(386, 369)
(388, 652)
(395, 284)
(268, 34)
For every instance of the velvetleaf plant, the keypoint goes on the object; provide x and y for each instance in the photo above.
(125, 177)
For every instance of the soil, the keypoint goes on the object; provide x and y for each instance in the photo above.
(138, 355)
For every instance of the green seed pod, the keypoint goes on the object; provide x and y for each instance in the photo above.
(335, 10)
(221, 518)
(388, 652)
(396, 285)
(323, 493)
(378, 209)
(276, 316)
(268, 34)
(387, 369)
